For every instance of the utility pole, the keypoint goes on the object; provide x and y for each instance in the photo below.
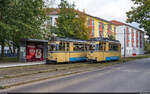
(124, 44)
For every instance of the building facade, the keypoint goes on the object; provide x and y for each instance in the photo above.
(131, 39)
(98, 26)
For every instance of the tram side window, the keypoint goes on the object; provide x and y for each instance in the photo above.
(113, 47)
(101, 46)
(104, 46)
(53, 47)
(87, 47)
(67, 46)
(62, 46)
(78, 47)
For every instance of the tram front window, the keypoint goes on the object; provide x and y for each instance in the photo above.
(113, 47)
(52, 47)
(62, 46)
(92, 48)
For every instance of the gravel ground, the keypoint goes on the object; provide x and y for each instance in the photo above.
(13, 71)
(33, 68)
(40, 76)
(44, 71)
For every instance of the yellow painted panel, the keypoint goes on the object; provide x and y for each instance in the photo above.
(101, 56)
(64, 57)
(78, 54)
(97, 55)
(59, 57)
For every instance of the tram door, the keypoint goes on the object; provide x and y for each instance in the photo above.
(67, 54)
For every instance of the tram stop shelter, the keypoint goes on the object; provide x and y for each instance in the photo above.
(32, 50)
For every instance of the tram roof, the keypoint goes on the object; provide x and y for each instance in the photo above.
(104, 39)
(66, 39)
(78, 40)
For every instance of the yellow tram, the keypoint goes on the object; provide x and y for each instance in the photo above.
(104, 50)
(66, 50)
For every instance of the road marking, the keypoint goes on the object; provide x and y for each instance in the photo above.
(132, 70)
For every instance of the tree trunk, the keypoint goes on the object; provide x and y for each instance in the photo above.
(2, 49)
(18, 52)
(10, 48)
(14, 49)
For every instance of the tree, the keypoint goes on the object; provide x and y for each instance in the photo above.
(111, 37)
(71, 23)
(21, 19)
(140, 14)
(82, 29)
(5, 27)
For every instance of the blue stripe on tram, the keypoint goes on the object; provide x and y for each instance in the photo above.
(78, 59)
(112, 58)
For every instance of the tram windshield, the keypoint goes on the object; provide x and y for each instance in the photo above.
(92, 47)
(113, 47)
(53, 47)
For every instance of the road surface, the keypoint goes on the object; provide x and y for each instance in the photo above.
(133, 76)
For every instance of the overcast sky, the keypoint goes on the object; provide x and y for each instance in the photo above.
(106, 9)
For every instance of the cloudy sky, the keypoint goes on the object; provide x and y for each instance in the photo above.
(106, 9)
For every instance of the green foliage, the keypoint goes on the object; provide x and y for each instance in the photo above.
(140, 14)
(21, 19)
(28, 17)
(111, 37)
(71, 23)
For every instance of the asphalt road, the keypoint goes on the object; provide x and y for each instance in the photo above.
(133, 76)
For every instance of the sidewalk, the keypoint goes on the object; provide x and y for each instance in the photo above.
(137, 55)
(6, 65)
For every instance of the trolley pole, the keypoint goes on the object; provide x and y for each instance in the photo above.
(124, 45)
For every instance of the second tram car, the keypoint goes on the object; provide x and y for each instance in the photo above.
(66, 50)
(104, 50)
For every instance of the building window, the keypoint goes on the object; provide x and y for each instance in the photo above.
(92, 27)
(89, 21)
(99, 29)
(137, 39)
(109, 29)
(132, 38)
(55, 22)
(140, 40)
(102, 28)
(127, 30)
(50, 21)
(115, 30)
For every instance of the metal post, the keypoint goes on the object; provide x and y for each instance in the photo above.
(124, 44)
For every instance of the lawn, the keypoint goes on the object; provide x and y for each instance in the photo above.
(8, 59)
